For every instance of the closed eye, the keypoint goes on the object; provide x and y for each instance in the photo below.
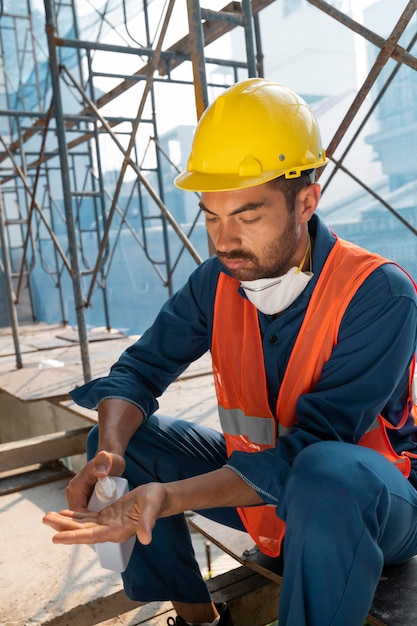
(252, 221)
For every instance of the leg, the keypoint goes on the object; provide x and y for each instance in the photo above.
(348, 510)
(166, 449)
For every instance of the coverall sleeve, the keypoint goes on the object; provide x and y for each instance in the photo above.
(367, 373)
(180, 334)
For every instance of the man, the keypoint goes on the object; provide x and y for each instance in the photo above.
(312, 341)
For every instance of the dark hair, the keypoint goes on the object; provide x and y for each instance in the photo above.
(291, 187)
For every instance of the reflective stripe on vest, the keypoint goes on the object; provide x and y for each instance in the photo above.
(259, 430)
(241, 382)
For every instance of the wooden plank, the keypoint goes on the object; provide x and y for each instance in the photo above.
(239, 546)
(7, 348)
(33, 476)
(89, 415)
(49, 374)
(32, 337)
(395, 600)
(252, 599)
(27, 329)
(98, 333)
(45, 337)
(42, 449)
(193, 397)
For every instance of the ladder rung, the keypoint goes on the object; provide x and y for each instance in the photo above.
(17, 221)
(86, 194)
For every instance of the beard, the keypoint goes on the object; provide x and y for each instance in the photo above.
(274, 259)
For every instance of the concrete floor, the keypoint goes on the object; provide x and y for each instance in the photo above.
(40, 582)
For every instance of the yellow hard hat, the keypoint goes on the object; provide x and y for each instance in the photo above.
(253, 132)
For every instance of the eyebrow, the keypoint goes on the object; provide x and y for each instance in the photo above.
(250, 206)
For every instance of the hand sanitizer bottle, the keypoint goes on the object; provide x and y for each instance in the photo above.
(114, 556)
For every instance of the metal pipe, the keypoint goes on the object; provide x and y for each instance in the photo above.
(249, 37)
(32, 205)
(259, 52)
(36, 204)
(376, 69)
(127, 158)
(66, 188)
(398, 53)
(9, 285)
(367, 116)
(196, 37)
(168, 281)
(164, 210)
(373, 193)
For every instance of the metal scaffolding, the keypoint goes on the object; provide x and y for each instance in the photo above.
(62, 109)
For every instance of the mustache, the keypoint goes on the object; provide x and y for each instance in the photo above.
(235, 254)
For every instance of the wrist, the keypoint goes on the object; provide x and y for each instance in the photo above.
(110, 448)
(117, 421)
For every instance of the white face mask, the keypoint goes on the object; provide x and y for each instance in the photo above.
(273, 295)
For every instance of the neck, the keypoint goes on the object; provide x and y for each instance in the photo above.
(306, 262)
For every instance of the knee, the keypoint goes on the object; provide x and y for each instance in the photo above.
(321, 460)
(334, 469)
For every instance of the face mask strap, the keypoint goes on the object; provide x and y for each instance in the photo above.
(303, 260)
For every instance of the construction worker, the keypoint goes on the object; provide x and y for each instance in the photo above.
(313, 342)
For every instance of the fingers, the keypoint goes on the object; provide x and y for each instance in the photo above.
(85, 536)
(102, 464)
(72, 527)
(108, 464)
(134, 513)
(145, 525)
(80, 488)
(146, 506)
(68, 519)
(81, 533)
(79, 528)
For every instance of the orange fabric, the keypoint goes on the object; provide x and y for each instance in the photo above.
(346, 268)
(236, 331)
(413, 404)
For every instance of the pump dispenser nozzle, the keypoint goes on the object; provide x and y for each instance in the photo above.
(114, 556)
(107, 486)
(105, 491)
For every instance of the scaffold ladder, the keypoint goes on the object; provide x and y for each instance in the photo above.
(201, 21)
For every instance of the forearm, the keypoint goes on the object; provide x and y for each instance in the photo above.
(118, 420)
(220, 488)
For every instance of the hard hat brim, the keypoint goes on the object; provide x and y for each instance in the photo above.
(201, 181)
(198, 181)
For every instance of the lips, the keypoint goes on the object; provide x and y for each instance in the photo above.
(234, 264)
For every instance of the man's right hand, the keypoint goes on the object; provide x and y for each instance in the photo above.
(118, 420)
(80, 488)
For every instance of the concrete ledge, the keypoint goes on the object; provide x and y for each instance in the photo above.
(43, 448)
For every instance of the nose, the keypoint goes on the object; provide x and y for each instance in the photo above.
(226, 237)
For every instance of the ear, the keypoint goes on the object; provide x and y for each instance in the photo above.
(307, 202)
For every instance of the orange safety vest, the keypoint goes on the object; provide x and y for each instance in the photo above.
(246, 418)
